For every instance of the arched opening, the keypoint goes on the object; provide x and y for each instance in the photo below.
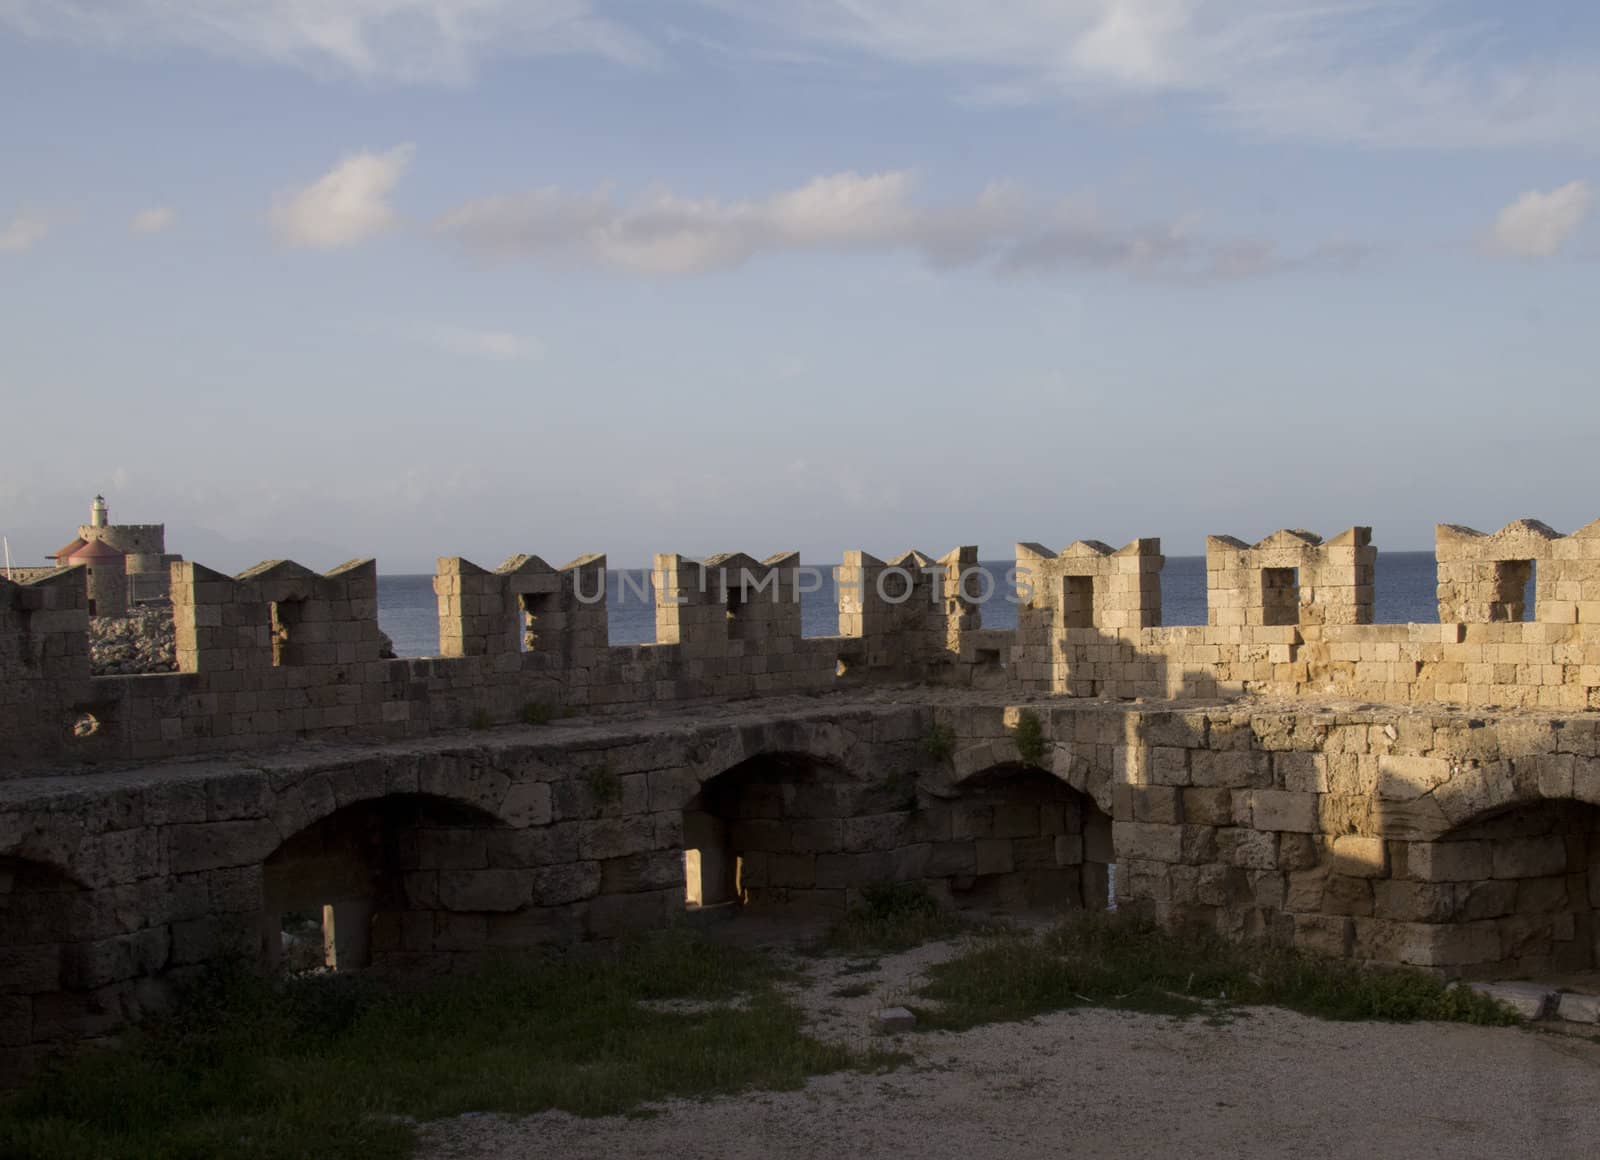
(775, 832)
(375, 879)
(36, 917)
(49, 969)
(1519, 889)
(1022, 839)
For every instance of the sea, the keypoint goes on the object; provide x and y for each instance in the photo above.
(408, 610)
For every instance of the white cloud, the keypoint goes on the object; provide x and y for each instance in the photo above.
(497, 345)
(344, 206)
(154, 220)
(22, 232)
(428, 41)
(1002, 227)
(1393, 73)
(1537, 225)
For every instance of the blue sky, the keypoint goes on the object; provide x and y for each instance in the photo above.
(417, 277)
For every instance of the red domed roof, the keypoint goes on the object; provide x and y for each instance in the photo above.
(95, 551)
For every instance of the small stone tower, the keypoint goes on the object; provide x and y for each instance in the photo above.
(99, 516)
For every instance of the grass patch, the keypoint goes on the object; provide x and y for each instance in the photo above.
(938, 744)
(538, 713)
(893, 916)
(255, 1068)
(1029, 737)
(604, 784)
(1100, 960)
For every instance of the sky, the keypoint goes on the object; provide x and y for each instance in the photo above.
(407, 278)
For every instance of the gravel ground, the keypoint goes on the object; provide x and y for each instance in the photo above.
(1097, 1083)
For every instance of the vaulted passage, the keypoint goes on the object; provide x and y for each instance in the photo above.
(785, 831)
(1018, 838)
(377, 879)
(48, 950)
(1519, 890)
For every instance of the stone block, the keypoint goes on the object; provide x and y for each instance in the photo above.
(893, 1019)
(527, 803)
(949, 859)
(539, 846)
(16, 1021)
(558, 885)
(1148, 842)
(1449, 861)
(1231, 769)
(1159, 804)
(847, 871)
(994, 856)
(654, 870)
(452, 849)
(1208, 806)
(29, 970)
(211, 845)
(1529, 857)
(611, 915)
(484, 890)
(1358, 856)
(1529, 1000)
(606, 838)
(1576, 1008)
(1276, 809)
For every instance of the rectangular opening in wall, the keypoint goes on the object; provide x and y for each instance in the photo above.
(630, 606)
(1513, 590)
(534, 620)
(286, 617)
(735, 603)
(1077, 602)
(303, 941)
(693, 883)
(1280, 595)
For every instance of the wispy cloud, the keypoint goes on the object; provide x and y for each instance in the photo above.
(1400, 73)
(496, 345)
(1002, 227)
(428, 41)
(344, 206)
(1537, 225)
(154, 220)
(23, 232)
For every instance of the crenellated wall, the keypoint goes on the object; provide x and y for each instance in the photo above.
(1290, 616)
(280, 653)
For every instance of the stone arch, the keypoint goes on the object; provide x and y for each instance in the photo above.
(1019, 836)
(44, 992)
(781, 829)
(38, 916)
(381, 877)
(825, 741)
(466, 778)
(1511, 890)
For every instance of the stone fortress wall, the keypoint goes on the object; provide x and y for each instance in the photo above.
(280, 653)
(1413, 794)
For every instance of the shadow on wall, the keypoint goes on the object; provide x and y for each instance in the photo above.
(793, 833)
(1493, 852)
(387, 879)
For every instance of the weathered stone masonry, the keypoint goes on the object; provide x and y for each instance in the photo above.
(1414, 794)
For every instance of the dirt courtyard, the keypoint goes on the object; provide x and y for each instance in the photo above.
(1098, 1083)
